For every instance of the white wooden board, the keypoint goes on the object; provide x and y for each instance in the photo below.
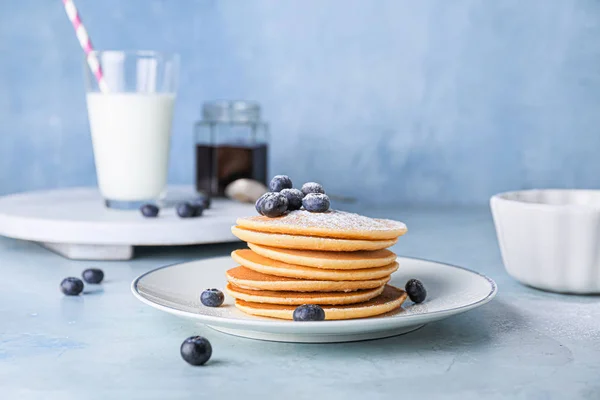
(75, 223)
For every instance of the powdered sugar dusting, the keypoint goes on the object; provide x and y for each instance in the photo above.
(332, 220)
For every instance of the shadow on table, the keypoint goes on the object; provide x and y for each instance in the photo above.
(470, 331)
(191, 252)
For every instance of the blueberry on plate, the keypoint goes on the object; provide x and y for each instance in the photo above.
(149, 210)
(280, 182)
(212, 298)
(309, 312)
(294, 198)
(93, 275)
(196, 350)
(272, 204)
(316, 202)
(185, 210)
(416, 291)
(312, 187)
(71, 286)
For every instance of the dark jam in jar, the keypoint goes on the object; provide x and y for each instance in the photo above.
(219, 165)
(231, 144)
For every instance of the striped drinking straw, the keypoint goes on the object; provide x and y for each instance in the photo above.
(86, 44)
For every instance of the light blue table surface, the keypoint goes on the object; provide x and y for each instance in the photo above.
(525, 344)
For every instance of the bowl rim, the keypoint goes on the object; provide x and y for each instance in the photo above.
(506, 197)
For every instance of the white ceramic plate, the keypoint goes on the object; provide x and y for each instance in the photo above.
(176, 289)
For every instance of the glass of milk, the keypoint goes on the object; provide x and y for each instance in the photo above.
(130, 121)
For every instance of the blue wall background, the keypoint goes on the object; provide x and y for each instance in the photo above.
(390, 101)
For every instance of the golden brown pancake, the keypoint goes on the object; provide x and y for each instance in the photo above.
(249, 279)
(391, 299)
(330, 224)
(250, 259)
(298, 298)
(308, 242)
(327, 259)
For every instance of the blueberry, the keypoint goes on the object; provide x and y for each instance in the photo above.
(149, 210)
(272, 204)
(316, 202)
(185, 210)
(258, 204)
(294, 198)
(93, 275)
(212, 298)
(309, 312)
(196, 350)
(280, 182)
(200, 204)
(415, 290)
(202, 200)
(198, 210)
(312, 187)
(71, 286)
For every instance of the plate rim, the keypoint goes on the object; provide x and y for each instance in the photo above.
(374, 322)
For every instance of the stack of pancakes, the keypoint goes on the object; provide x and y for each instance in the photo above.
(335, 259)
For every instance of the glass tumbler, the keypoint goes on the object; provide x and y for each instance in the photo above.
(130, 122)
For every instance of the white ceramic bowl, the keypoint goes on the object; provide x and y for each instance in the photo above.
(550, 239)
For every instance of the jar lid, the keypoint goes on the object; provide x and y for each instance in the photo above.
(240, 111)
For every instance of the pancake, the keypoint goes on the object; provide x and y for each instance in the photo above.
(250, 259)
(327, 259)
(298, 298)
(331, 224)
(308, 242)
(391, 299)
(249, 279)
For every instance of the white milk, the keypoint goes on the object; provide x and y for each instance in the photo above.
(131, 137)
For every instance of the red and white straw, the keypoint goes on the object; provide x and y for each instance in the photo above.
(86, 44)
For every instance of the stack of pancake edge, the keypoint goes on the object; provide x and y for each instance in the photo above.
(337, 260)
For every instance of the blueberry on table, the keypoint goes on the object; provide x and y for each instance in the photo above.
(272, 204)
(185, 210)
(93, 275)
(71, 286)
(415, 290)
(212, 298)
(149, 210)
(309, 312)
(312, 187)
(316, 202)
(196, 350)
(294, 198)
(280, 182)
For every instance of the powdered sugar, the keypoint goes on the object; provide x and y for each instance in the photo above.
(332, 220)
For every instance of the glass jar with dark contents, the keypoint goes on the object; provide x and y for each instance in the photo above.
(231, 143)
